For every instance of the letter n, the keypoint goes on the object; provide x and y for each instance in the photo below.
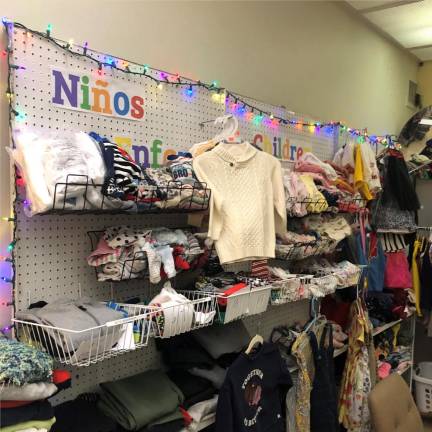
(70, 92)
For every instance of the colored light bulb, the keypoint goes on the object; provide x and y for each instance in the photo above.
(146, 68)
(215, 84)
(20, 116)
(160, 86)
(49, 29)
(7, 219)
(70, 42)
(189, 91)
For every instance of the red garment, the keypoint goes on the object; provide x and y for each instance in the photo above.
(179, 261)
(59, 376)
(230, 291)
(188, 419)
(259, 269)
(14, 404)
(397, 274)
(338, 312)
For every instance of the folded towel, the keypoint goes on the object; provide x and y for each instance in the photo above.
(139, 400)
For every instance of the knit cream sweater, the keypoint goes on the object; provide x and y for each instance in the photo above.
(247, 206)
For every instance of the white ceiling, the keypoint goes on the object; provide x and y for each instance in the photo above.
(408, 22)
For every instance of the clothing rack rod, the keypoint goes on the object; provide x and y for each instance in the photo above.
(205, 122)
(420, 228)
(420, 167)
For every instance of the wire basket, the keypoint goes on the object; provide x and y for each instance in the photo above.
(298, 251)
(92, 345)
(79, 194)
(290, 290)
(197, 311)
(133, 267)
(248, 301)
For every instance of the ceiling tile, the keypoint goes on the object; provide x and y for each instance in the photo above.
(410, 24)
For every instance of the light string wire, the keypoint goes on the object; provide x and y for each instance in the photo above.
(240, 101)
(11, 248)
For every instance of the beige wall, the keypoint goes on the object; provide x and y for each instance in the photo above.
(424, 80)
(313, 57)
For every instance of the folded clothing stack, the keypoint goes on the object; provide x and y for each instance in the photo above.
(76, 171)
(346, 273)
(70, 320)
(26, 382)
(124, 252)
(312, 235)
(83, 415)
(315, 186)
(145, 402)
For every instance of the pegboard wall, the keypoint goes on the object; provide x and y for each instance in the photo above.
(51, 250)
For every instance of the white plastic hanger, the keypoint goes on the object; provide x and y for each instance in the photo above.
(257, 339)
(230, 133)
(315, 314)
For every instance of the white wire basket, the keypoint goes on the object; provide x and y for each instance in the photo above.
(198, 310)
(92, 345)
(290, 290)
(248, 301)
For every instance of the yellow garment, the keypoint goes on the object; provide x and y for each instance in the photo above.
(316, 202)
(302, 351)
(416, 275)
(395, 330)
(359, 372)
(360, 183)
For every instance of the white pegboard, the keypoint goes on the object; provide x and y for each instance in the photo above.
(51, 250)
(285, 140)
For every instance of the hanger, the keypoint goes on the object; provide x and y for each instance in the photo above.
(315, 314)
(257, 339)
(230, 133)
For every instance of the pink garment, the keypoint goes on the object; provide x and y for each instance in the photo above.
(103, 254)
(384, 370)
(302, 166)
(397, 274)
(296, 194)
(319, 178)
(310, 158)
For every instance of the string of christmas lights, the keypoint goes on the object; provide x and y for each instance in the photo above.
(11, 219)
(234, 102)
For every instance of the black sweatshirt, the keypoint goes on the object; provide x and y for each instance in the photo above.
(252, 398)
